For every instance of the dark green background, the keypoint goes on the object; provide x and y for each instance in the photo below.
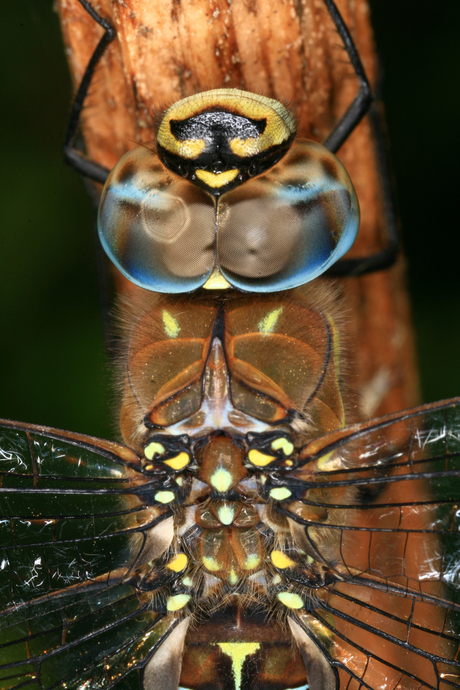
(53, 369)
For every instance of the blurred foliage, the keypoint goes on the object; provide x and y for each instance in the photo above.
(53, 366)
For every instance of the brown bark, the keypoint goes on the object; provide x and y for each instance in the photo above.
(287, 49)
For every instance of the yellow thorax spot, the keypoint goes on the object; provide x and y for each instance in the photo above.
(280, 493)
(260, 459)
(172, 328)
(221, 480)
(268, 323)
(211, 564)
(216, 281)
(178, 563)
(238, 653)
(187, 581)
(153, 449)
(177, 602)
(226, 513)
(178, 462)
(280, 560)
(233, 577)
(164, 496)
(282, 443)
(290, 600)
(216, 180)
(251, 562)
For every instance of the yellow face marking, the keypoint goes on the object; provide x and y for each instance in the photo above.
(164, 496)
(178, 462)
(178, 563)
(280, 123)
(268, 323)
(280, 560)
(290, 600)
(216, 180)
(221, 480)
(280, 493)
(238, 653)
(177, 602)
(172, 328)
(260, 459)
(153, 449)
(282, 443)
(211, 564)
(226, 513)
(251, 562)
(216, 281)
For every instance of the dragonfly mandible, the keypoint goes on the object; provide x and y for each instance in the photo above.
(91, 539)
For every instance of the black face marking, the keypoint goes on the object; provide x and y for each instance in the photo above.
(217, 127)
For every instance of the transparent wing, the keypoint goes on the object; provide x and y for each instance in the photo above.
(73, 523)
(378, 504)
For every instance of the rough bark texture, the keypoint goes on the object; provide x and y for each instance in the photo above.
(287, 49)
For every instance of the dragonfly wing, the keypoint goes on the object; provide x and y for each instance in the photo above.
(378, 504)
(74, 524)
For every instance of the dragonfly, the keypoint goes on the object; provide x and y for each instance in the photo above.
(242, 536)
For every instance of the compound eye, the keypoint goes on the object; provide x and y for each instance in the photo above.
(289, 225)
(274, 232)
(157, 228)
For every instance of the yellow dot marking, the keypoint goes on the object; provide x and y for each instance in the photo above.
(259, 459)
(178, 563)
(226, 514)
(286, 446)
(280, 560)
(216, 180)
(233, 578)
(280, 494)
(177, 602)
(179, 480)
(289, 462)
(148, 468)
(211, 564)
(238, 652)
(178, 462)
(276, 580)
(172, 328)
(221, 480)
(291, 600)
(251, 562)
(152, 449)
(187, 581)
(216, 281)
(269, 321)
(164, 496)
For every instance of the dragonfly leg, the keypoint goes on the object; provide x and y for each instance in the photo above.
(72, 155)
(363, 99)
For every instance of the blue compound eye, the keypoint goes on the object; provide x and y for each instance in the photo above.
(288, 226)
(277, 230)
(157, 228)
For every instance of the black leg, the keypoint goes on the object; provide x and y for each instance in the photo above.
(387, 256)
(71, 154)
(361, 105)
(363, 99)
